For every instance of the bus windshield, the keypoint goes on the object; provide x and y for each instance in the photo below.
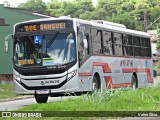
(57, 48)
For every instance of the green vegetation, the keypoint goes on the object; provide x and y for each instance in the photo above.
(147, 99)
(7, 91)
(127, 12)
(157, 67)
(158, 41)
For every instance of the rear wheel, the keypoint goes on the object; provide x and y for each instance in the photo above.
(95, 84)
(134, 82)
(41, 98)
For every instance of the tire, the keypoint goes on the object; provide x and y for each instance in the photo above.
(95, 85)
(41, 98)
(134, 82)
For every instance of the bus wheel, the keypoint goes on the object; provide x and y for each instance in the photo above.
(41, 98)
(95, 85)
(134, 82)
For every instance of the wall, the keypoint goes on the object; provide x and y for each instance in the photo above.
(11, 16)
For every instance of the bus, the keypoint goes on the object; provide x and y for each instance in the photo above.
(55, 56)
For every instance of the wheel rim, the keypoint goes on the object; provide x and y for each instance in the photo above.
(93, 86)
(133, 82)
(133, 86)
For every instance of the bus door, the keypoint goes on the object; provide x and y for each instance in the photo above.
(83, 53)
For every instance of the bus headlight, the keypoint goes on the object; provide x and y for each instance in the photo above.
(17, 78)
(71, 74)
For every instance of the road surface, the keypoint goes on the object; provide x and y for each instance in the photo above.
(13, 105)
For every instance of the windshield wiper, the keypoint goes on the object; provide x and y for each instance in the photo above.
(53, 39)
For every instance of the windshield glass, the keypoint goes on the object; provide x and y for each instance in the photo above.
(45, 50)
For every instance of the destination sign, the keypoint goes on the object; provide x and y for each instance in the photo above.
(41, 26)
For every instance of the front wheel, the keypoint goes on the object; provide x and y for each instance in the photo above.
(41, 98)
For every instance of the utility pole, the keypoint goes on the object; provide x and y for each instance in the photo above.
(145, 20)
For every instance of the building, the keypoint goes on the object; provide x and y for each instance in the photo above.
(8, 17)
(154, 39)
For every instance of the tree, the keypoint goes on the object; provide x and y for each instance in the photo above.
(35, 5)
(127, 12)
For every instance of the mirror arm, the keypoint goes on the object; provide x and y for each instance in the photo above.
(10, 36)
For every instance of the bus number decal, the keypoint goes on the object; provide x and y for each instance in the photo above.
(126, 63)
(24, 62)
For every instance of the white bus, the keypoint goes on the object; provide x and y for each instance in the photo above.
(55, 56)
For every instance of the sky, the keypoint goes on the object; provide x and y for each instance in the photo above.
(15, 3)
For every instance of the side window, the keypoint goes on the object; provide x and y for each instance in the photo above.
(81, 45)
(145, 47)
(87, 37)
(136, 46)
(136, 41)
(144, 42)
(107, 43)
(118, 44)
(127, 45)
(96, 42)
(127, 40)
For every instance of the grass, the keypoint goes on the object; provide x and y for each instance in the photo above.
(147, 99)
(7, 91)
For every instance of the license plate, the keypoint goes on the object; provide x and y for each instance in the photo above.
(42, 91)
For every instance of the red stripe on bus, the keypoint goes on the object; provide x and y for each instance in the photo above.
(121, 85)
(131, 70)
(85, 74)
(150, 80)
(108, 80)
(105, 67)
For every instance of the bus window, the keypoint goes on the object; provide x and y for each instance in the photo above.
(144, 42)
(127, 45)
(145, 52)
(128, 40)
(80, 45)
(136, 46)
(137, 51)
(96, 42)
(87, 38)
(136, 41)
(118, 44)
(107, 43)
(145, 49)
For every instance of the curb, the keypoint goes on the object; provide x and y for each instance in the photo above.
(15, 98)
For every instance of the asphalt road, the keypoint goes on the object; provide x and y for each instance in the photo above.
(13, 105)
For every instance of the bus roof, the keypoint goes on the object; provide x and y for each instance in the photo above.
(106, 27)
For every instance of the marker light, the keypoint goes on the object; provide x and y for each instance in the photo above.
(17, 78)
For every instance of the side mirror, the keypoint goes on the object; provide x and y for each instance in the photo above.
(85, 43)
(6, 43)
(6, 46)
